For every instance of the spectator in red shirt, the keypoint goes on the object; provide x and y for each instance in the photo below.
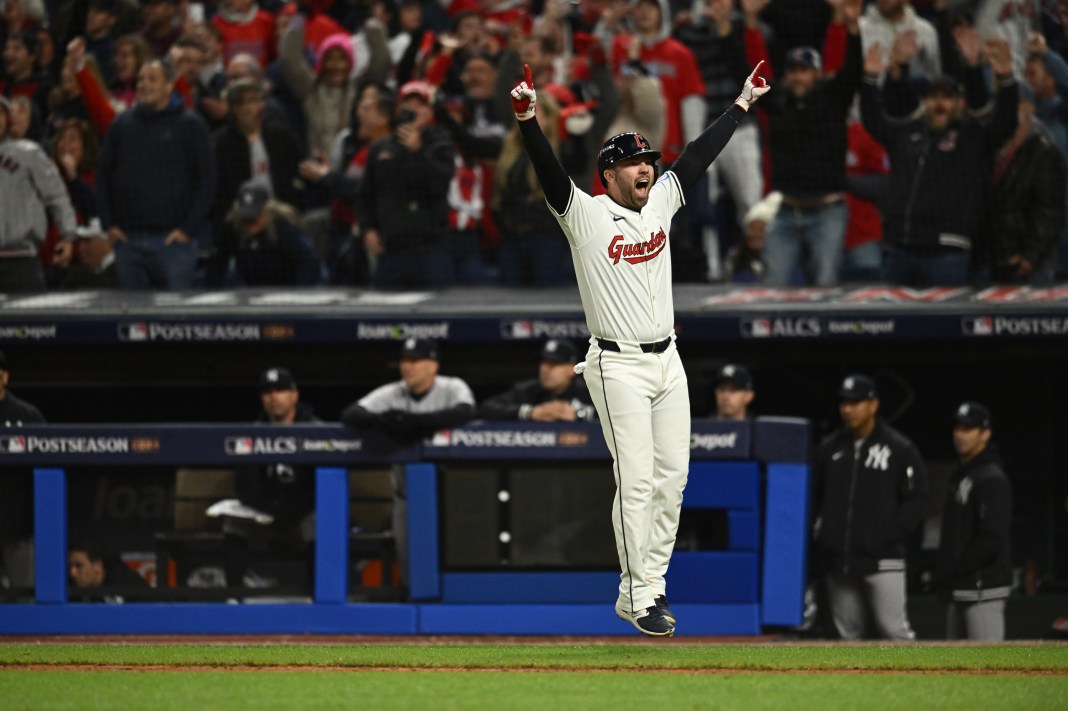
(674, 64)
(245, 27)
(867, 168)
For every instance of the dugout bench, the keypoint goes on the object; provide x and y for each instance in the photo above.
(756, 472)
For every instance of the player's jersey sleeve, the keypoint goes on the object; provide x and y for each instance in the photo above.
(381, 399)
(579, 220)
(459, 393)
(666, 197)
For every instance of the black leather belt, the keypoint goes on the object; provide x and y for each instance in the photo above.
(658, 347)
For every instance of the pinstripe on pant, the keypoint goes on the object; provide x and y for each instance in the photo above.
(644, 406)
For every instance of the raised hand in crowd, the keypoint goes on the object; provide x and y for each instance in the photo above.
(1036, 43)
(751, 9)
(851, 12)
(76, 53)
(875, 60)
(998, 55)
(969, 44)
(904, 48)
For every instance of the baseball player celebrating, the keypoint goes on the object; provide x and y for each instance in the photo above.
(619, 243)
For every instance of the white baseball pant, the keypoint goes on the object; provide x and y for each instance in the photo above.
(852, 597)
(644, 406)
(978, 621)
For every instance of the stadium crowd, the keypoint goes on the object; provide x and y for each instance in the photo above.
(178, 144)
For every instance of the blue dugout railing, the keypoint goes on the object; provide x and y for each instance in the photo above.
(756, 470)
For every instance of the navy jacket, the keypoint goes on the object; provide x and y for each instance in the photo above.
(156, 171)
(974, 559)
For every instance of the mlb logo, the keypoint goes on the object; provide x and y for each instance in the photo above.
(442, 438)
(517, 329)
(761, 328)
(13, 445)
(239, 445)
(133, 332)
(981, 326)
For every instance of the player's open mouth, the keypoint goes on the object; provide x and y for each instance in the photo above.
(641, 183)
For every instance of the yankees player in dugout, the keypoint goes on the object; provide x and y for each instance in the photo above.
(622, 255)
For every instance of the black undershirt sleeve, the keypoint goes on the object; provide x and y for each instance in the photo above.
(554, 179)
(701, 151)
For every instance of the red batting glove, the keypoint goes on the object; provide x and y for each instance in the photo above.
(754, 88)
(523, 96)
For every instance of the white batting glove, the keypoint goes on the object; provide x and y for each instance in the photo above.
(523, 96)
(754, 88)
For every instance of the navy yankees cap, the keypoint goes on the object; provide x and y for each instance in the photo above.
(277, 379)
(734, 374)
(559, 351)
(252, 198)
(973, 414)
(808, 57)
(419, 348)
(858, 387)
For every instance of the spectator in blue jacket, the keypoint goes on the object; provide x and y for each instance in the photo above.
(155, 184)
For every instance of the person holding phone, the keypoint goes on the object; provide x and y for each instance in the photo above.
(403, 203)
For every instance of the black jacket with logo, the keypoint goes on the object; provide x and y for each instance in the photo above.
(516, 404)
(285, 491)
(869, 495)
(937, 178)
(974, 561)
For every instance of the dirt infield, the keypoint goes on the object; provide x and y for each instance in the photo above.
(314, 640)
(723, 671)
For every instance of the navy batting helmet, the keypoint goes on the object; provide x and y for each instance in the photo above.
(621, 147)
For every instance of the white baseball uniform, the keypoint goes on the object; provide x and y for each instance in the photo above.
(623, 265)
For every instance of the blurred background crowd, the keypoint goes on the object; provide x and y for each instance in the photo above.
(175, 144)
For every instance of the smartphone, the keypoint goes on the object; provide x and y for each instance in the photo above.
(405, 116)
(196, 12)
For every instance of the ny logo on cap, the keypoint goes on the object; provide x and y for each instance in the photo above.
(409, 344)
(963, 411)
(272, 375)
(728, 371)
(849, 383)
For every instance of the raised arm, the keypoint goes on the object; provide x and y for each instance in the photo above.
(700, 152)
(554, 179)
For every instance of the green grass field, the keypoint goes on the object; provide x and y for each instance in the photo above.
(572, 677)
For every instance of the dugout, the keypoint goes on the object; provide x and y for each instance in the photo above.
(756, 579)
(112, 357)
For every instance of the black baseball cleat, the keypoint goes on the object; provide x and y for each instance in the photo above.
(662, 604)
(649, 621)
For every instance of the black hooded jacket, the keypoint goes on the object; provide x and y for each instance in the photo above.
(974, 561)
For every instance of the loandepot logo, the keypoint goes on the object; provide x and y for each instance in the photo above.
(28, 333)
(709, 442)
(781, 327)
(402, 331)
